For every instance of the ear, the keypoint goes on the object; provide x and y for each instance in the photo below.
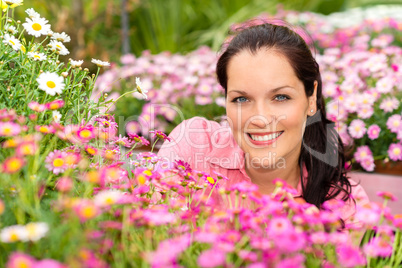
(312, 101)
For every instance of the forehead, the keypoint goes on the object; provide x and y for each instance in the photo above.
(265, 66)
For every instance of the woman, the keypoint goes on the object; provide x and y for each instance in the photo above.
(277, 122)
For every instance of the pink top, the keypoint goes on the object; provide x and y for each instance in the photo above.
(208, 146)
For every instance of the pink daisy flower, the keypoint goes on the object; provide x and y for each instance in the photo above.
(211, 258)
(123, 141)
(389, 104)
(136, 138)
(368, 163)
(395, 151)
(18, 259)
(9, 129)
(362, 152)
(394, 123)
(387, 195)
(357, 129)
(365, 111)
(56, 162)
(86, 133)
(373, 132)
(35, 106)
(160, 135)
(350, 256)
(54, 105)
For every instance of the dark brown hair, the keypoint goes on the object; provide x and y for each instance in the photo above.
(322, 152)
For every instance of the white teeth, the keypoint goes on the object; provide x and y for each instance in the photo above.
(265, 137)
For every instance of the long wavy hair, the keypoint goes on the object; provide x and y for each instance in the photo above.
(322, 151)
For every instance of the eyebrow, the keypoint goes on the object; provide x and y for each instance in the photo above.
(271, 91)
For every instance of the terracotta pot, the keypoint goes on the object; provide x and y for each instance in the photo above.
(391, 168)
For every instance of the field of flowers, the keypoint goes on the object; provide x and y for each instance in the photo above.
(73, 193)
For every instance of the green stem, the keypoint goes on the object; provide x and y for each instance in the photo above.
(119, 98)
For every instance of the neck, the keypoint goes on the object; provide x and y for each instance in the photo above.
(264, 177)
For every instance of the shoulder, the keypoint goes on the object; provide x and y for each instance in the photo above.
(358, 198)
(198, 137)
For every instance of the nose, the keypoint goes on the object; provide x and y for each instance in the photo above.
(262, 116)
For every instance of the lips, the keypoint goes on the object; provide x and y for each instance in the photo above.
(264, 138)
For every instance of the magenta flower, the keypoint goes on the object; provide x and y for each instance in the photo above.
(49, 263)
(296, 261)
(123, 141)
(378, 247)
(395, 151)
(138, 139)
(373, 132)
(387, 196)
(54, 105)
(182, 167)
(394, 123)
(357, 129)
(349, 256)
(56, 162)
(278, 226)
(211, 258)
(160, 135)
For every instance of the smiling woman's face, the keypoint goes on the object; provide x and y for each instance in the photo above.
(267, 107)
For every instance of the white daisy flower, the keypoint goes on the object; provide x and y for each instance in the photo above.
(140, 89)
(32, 13)
(100, 63)
(107, 198)
(76, 63)
(11, 29)
(36, 26)
(51, 83)
(12, 41)
(13, 234)
(58, 47)
(36, 230)
(13, 2)
(62, 37)
(36, 56)
(56, 115)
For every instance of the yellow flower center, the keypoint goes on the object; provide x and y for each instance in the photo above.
(14, 165)
(363, 154)
(51, 84)
(396, 123)
(22, 263)
(13, 237)
(27, 149)
(85, 133)
(91, 150)
(7, 130)
(93, 176)
(396, 151)
(109, 201)
(58, 162)
(43, 129)
(211, 180)
(88, 212)
(357, 128)
(53, 106)
(36, 26)
(37, 56)
(148, 173)
(141, 179)
(12, 42)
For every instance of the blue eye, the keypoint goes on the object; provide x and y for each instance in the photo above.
(239, 99)
(281, 98)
